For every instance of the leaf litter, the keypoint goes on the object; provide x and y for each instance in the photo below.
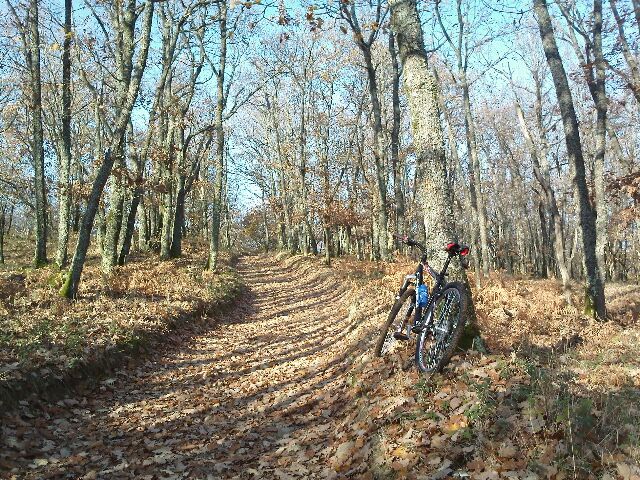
(287, 387)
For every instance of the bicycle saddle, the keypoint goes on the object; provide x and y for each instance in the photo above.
(454, 248)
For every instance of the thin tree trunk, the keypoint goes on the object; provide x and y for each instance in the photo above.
(475, 183)
(396, 165)
(600, 99)
(551, 205)
(64, 201)
(327, 244)
(380, 189)
(178, 222)
(632, 77)
(3, 218)
(37, 141)
(143, 225)
(595, 300)
(216, 204)
(168, 210)
(133, 209)
(10, 222)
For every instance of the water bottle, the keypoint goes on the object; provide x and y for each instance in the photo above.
(423, 295)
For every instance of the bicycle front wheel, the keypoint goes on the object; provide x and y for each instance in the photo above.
(444, 326)
(399, 320)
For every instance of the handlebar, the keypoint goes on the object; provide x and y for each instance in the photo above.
(452, 248)
(411, 243)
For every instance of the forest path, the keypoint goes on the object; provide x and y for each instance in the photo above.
(241, 401)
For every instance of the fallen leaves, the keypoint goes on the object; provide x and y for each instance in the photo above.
(285, 391)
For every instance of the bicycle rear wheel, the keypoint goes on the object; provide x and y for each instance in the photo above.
(398, 319)
(445, 324)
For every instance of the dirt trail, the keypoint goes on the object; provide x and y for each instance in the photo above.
(246, 400)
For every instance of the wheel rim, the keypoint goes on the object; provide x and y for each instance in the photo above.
(435, 340)
(390, 342)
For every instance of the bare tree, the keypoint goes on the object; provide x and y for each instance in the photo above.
(595, 300)
(29, 32)
(127, 94)
(64, 198)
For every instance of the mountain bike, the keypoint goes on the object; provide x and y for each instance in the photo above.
(436, 317)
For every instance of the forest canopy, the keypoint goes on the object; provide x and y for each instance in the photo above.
(130, 125)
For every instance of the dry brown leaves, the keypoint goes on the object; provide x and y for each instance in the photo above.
(287, 388)
(43, 331)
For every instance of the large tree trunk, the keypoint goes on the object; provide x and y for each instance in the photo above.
(595, 300)
(64, 199)
(421, 91)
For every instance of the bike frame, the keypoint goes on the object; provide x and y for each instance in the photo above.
(419, 322)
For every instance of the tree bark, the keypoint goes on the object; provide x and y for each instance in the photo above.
(216, 204)
(396, 165)
(168, 204)
(114, 217)
(600, 100)
(133, 209)
(595, 300)
(178, 222)
(37, 141)
(126, 101)
(421, 91)
(3, 218)
(64, 200)
(550, 203)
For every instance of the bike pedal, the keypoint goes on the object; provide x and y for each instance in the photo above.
(400, 336)
(416, 329)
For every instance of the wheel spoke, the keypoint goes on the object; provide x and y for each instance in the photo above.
(435, 342)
